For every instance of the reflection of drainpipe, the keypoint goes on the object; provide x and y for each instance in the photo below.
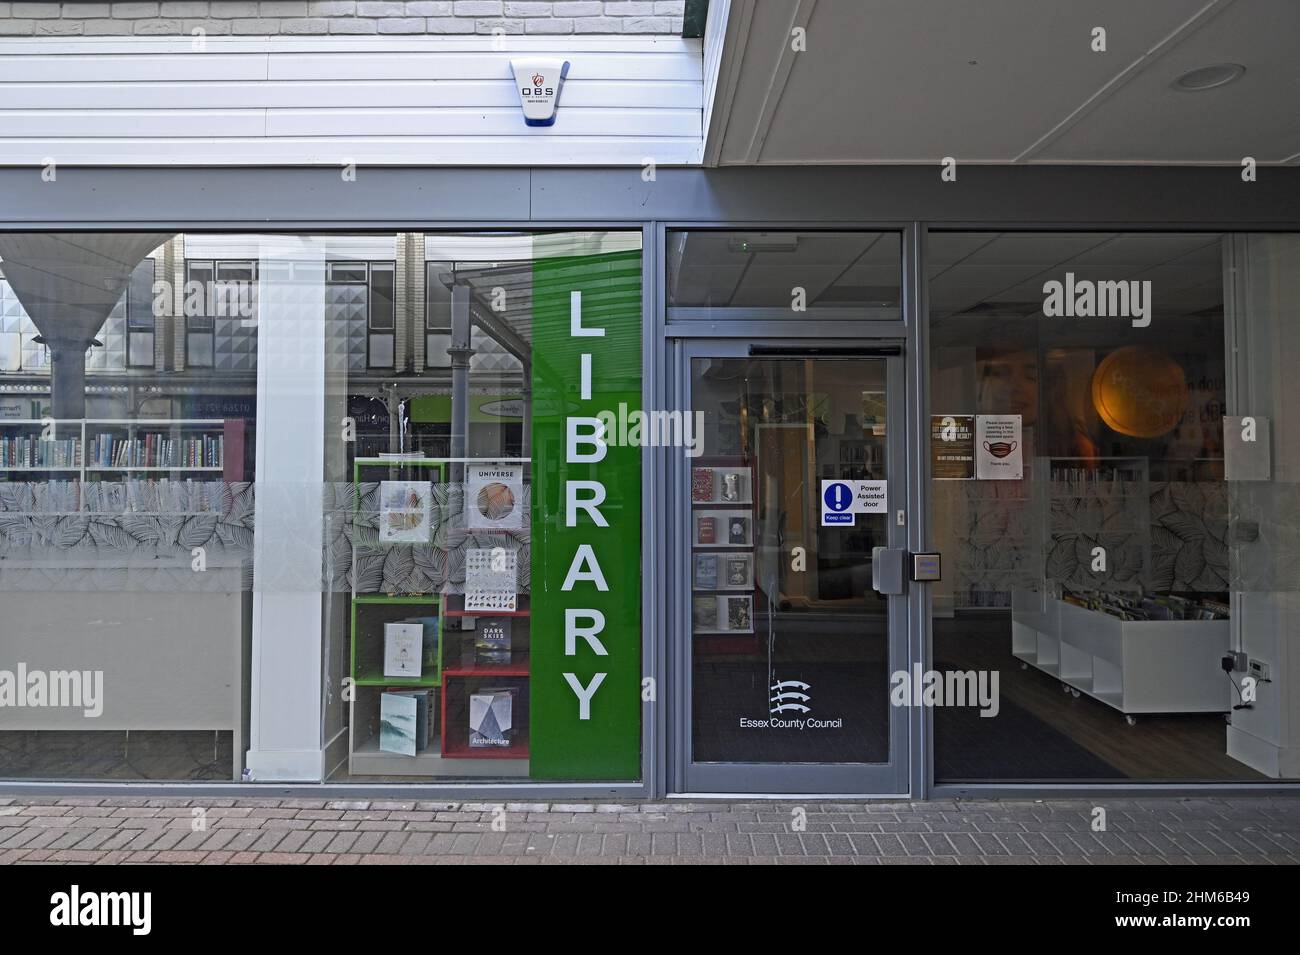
(393, 405)
(460, 352)
(526, 393)
(67, 374)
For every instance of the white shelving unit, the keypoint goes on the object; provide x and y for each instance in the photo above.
(1135, 666)
(83, 431)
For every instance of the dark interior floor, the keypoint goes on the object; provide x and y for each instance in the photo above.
(1044, 733)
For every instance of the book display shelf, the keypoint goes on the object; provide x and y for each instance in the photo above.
(108, 449)
(473, 667)
(473, 663)
(1137, 655)
(370, 614)
(723, 525)
(1102, 634)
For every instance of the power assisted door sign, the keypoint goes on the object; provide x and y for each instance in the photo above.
(888, 569)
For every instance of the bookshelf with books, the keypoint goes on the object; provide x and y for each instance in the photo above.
(395, 659)
(395, 656)
(472, 669)
(723, 594)
(376, 619)
(487, 656)
(1095, 624)
(98, 449)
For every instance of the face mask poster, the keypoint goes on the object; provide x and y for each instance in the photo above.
(998, 447)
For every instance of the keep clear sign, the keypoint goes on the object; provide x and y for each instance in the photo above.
(843, 501)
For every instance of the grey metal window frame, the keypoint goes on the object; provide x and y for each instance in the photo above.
(1008, 198)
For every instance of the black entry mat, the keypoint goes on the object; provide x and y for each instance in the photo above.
(1014, 745)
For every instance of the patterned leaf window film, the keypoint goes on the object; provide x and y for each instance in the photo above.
(139, 535)
(436, 567)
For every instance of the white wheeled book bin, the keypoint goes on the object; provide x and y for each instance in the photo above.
(1136, 666)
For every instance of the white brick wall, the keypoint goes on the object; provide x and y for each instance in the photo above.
(318, 17)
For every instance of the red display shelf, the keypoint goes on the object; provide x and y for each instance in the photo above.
(488, 670)
(485, 613)
(455, 741)
(724, 644)
(458, 750)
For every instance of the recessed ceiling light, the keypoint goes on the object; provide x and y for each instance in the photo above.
(1208, 77)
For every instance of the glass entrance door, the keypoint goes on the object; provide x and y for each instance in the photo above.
(784, 672)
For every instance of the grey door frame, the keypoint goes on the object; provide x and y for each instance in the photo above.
(891, 777)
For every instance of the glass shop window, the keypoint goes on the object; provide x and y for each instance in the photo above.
(450, 549)
(849, 275)
(1086, 457)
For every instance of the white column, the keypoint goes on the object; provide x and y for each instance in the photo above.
(1266, 604)
(285, 732)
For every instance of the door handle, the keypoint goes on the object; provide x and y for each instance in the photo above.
(888, 569)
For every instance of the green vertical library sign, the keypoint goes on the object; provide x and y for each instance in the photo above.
(585, 690)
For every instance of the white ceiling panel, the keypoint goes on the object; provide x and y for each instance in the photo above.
(1131, 253)
(1147, 120)
(1004, 81)
(1017, 249)
(1185, 270)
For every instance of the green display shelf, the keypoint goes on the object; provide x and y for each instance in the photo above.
(369, 671)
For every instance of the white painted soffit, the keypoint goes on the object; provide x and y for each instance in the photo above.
(1011, 81)
(435, 101)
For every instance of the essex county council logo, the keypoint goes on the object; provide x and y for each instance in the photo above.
(788, 696)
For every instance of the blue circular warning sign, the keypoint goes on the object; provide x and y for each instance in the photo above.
(838, 496)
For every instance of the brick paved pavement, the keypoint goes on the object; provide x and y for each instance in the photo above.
(345, 832)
